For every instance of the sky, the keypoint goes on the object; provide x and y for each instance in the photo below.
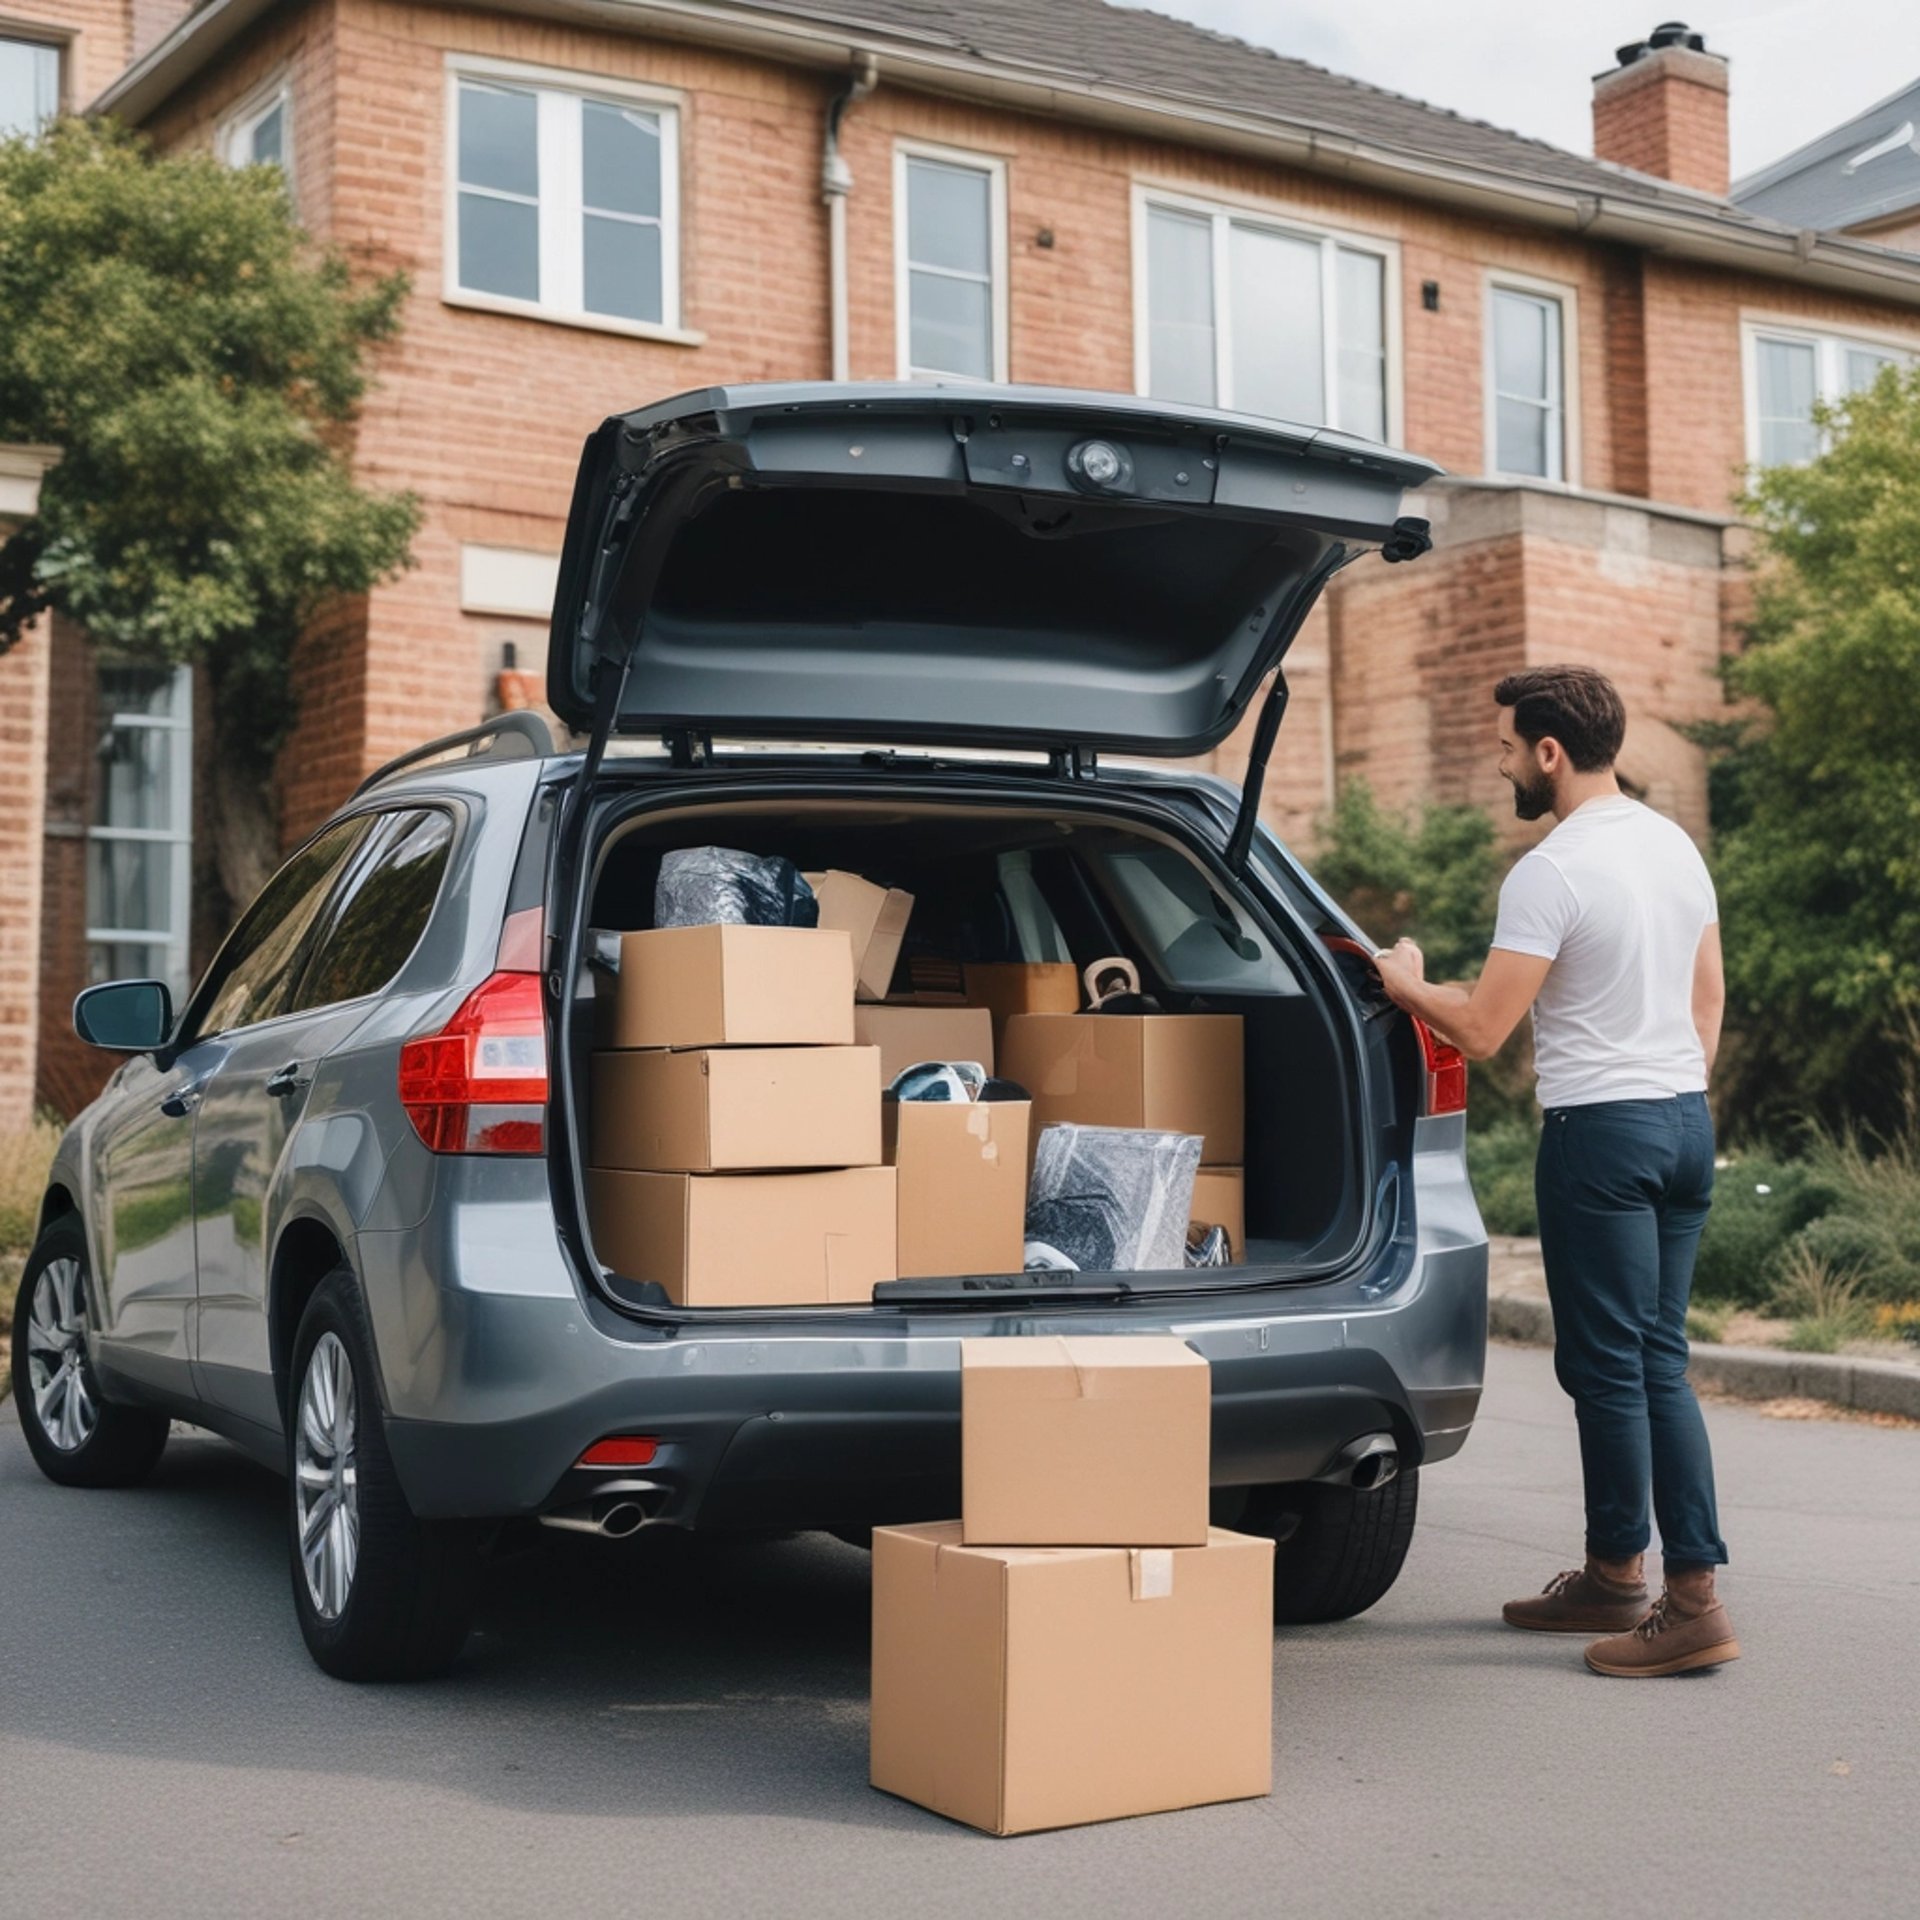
(1799, 66)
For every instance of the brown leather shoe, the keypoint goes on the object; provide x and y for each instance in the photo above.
(1667, 1641)
(1579, 1601)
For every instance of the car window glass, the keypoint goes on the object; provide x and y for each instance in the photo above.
(252, 978)
(1196, 939)
(381, 911)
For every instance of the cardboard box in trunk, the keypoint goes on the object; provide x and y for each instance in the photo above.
(874, 918)
(728, 1108)
(1007, 987)
(1017, 1688)
(908, 1035)
(1220, 1200)
(748, 1239)
(963, 1184)
(1096, 1441)
(1173, 1072)
(729, 987)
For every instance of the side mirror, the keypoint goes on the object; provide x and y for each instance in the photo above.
(125, 1016)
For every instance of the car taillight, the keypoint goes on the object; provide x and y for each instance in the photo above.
(479, 1085)
(1446, 1071)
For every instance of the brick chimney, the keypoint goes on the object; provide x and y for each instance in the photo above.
(1663, 109)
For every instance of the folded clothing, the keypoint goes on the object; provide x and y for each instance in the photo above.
(719, 887)
(1111, 1199)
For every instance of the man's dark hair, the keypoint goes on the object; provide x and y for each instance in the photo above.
(1574, 705)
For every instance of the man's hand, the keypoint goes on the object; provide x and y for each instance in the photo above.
(1401, 967)
(1476, 1019)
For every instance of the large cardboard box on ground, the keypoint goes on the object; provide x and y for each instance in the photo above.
(748, 1239)
(874, 918)
(730, 987)
(1007, 987)
(1174, 1072)
(1091, 1441)
(908, 1035)
(1017, 1688)
(715, 1108)
(1220, 1200)
(962, 1170)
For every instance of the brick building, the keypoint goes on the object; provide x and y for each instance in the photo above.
(604, 201)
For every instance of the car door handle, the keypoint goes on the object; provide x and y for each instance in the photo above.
(180, 1102)
(288, 1080)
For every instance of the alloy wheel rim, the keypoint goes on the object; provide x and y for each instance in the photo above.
(326, 1501)
(63, 1399)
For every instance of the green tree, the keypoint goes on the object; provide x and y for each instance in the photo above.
(1818, 798)
(198, 363)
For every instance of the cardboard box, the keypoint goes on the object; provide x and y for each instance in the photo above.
(874, 918)
(1092, 1441)
(1175, 1072)
(963, 1184)
(908, 1035)
(1017, 1688)
(1008, 987)
(713, 1109)
(730, 987)
(1220, 1200)
(748, 1239)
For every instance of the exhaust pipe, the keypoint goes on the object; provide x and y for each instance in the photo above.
(614, 1515)
(1365, 1464)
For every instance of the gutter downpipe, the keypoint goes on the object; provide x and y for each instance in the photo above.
(836, 183)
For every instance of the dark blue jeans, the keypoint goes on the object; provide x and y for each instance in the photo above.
(1623, 1188)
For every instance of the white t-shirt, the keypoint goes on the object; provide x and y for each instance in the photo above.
(1617, 897)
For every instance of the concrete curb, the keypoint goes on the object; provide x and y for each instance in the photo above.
(1749, 1373)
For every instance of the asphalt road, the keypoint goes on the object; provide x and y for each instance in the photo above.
(680, 1728)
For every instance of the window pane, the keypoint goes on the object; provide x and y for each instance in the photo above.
(1864, 367)
(1522, 437)
(133, 783)
(1180, 307)
(951, 325)
(1521, 345)
(130, 884)
(499, 246)
(622, 268)
(1278, 332)
(948, 219)
(29, 86)
(619, 159)
(1363, 343)
(497, 140)
(126, 960)
(269, 140)
(384, 916)
(154, 690)
(1787, 372)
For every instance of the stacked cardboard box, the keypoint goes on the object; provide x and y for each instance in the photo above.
(1080, 1645)
(734, 1132)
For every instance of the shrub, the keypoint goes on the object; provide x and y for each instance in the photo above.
(1759, 1205)
(1872, 1231)
(1500, 1162)
(24, 1160)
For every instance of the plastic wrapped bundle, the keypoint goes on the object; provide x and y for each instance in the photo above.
(718, 887)
(1111, 1199)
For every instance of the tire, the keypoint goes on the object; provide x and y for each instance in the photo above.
(381, 1595)
(78, 1437)
(1337, 1550)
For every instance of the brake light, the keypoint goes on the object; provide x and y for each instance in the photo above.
(479, 1085)
(620, 1450)
(1446, 1071)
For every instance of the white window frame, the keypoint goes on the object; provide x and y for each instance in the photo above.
(1830, 347)
(1276, 217)
(1567, 297)
(995, 168)
(560, 210)
(176, 938)
(237, 130)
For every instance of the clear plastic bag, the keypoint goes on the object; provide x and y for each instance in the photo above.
(1111, 1199)
(717, 886)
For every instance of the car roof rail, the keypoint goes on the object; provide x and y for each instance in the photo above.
(519, 735)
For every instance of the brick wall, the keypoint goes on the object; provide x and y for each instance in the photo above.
(23, 756)
(69, 1073)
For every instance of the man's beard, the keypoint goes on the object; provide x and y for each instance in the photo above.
(1533, 800)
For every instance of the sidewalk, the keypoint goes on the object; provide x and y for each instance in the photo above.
(1882, 1377)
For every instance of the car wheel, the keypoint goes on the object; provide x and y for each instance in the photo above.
(380, 1594)
(78, 1437)
(1337, 1550)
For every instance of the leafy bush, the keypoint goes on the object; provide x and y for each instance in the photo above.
(1759, 1205)
(24, 1160)
(1871, 1232)
(1500, 1162)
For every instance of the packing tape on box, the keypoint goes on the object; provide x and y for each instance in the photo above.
(1152, 1572)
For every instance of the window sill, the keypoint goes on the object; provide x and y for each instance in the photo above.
(589, 322)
